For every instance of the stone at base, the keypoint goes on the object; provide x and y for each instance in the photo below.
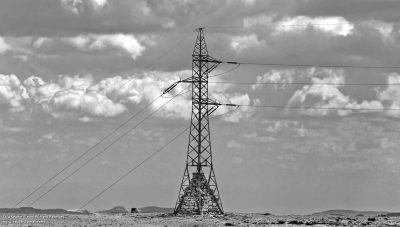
(198, 198)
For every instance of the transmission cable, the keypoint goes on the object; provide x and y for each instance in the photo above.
(285, 65)
(108, 135)
(170, 49)
(300, 83)
(133, 169)
(316, 108)
(102, 151)
(86, 152)
(145, 160)
(228, 71)
(281, 25)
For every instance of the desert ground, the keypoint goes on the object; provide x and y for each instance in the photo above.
(166, 219)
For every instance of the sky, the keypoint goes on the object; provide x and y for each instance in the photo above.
(72, 71)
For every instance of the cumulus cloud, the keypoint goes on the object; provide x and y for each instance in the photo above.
(41, 41)
(82, 98)
(78, 96)
(337, 26)
(239, 43)
(279, 125)
(255, 137)
(233, 144)
(99, 4)
(239, 99)
(391, 94)
(12, 93)
(126, 42)
(75, 6)
(3, 46)
(257, 20)
(328, 95)
(79, 42)
(149, 87)
(78, 6)
(384, 28)
(92, 103)
(71, 95)
(274, 76)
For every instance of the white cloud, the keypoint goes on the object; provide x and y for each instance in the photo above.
(384, 28)
(248, 2)
(279, 125)
(326, 91)
(39, 42)
(233, 144)
(3, 46)
(89, 102)
(84, 99)
(78, 6)
(12, 93)
(255, 137)
(337, 26)
(79, 42)
(262, 20)
(274, 76)
(75, 6)
(71, 94)
(240, 99)
(392, 94)
(128, 43)
(99, 4)
(239, 43)
(40, 91)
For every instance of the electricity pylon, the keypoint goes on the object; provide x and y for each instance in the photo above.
(199, 192)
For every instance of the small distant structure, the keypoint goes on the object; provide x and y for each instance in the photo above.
(134, 210)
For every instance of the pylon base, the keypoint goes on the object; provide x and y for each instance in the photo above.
(198, 198)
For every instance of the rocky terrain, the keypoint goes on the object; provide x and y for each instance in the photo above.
(31, 210)
(328, 218)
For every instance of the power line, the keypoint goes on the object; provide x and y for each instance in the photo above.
(133, 169)
(86, 152)
(279, 25)
(169, 49)
(301, 83)
(284, 65)
(311, 24)
(163, 54)
(141, 163)
(102, 151)
(108, 135)
(228, 71)
(316, 108)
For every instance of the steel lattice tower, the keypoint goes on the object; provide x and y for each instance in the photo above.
(199, 194)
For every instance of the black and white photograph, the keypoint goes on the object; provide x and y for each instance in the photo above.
(200, 113)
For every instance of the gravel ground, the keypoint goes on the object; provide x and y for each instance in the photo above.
(228, 219)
